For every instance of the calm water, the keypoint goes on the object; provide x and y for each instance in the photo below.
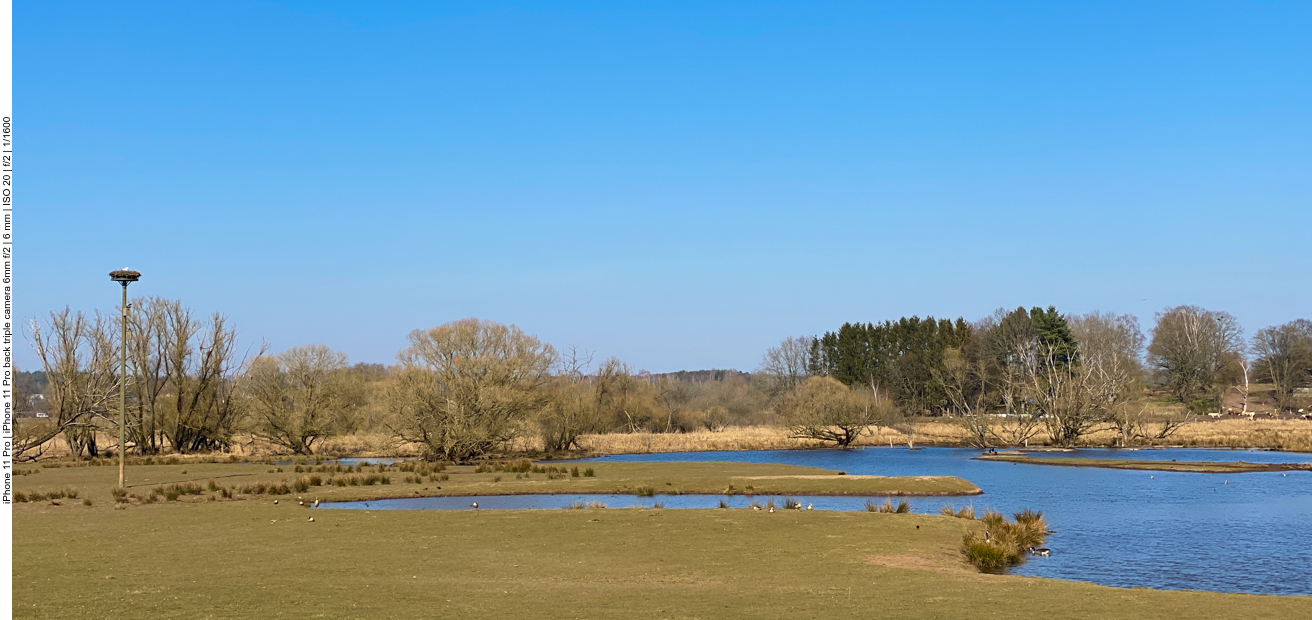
(1113, 527)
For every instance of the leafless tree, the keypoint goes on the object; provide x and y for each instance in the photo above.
(1110, 348)
(299, 397)
(624, 398)
(570, 409)
(1194, 351)
(468, 386)
(78, 357)
(1284, 355)
(784, 367)
(965, 381)
(1011, 351)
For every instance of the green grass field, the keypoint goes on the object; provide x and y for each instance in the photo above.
(250, 558)
(1199, 467)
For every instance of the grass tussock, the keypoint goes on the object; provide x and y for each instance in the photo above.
(902, 507)
(1003, 543)
(19, 496)
(645, 492)
(965, 512)
(171, 492)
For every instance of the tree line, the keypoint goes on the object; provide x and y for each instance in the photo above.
(466, 388)
(1014, 374)
(459, 390)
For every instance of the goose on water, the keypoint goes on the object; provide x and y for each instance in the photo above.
(1043, 551)
(474, 505)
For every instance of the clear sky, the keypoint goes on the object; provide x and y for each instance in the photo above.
(681, 185)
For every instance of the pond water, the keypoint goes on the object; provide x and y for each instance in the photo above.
(1248, 532)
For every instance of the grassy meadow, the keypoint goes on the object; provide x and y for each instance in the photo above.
(247, 557)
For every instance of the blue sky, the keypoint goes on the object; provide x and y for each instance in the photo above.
(681, 185)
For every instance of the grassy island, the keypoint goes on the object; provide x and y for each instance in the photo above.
(1199, 467)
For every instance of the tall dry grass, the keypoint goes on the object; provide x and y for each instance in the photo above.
(1003, 543)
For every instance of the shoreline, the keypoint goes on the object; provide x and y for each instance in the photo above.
(1192, 467)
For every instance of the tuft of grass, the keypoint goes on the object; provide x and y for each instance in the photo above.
(790, 503)
(574, 472)
(724, 504)
(588, 473)
(1004, 543)
(987, 557)
(966, 512)
(52, 496)
(902, 507)
(172, 492)
(646, 492)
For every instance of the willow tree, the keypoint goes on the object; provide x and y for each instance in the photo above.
(183, 372)
(466, 387)
(299, 398)
(823, 408)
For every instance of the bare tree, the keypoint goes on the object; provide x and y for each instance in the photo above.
(1110, 348)
(299, 398)
(784, 367)
(825, 409)
(624, 398)
(468, 386)
(1010, 349)
(1194, 351)
(570, 409)
(78, 358)
(1284, 355)
(965, 381)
